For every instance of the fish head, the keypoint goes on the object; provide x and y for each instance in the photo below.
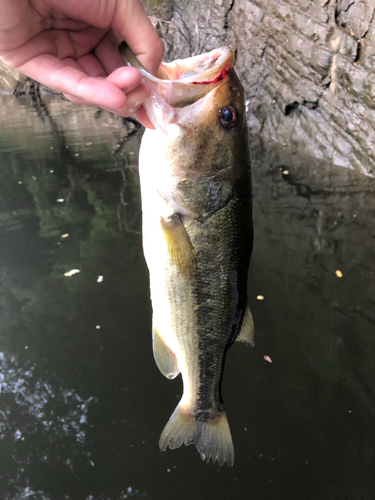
(201, 146)
(198, 103)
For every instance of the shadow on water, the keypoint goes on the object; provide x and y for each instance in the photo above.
(82, 403)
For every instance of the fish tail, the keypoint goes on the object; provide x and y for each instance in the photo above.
(210, 434)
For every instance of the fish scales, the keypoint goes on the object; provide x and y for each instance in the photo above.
(216, 289)
(197, 237)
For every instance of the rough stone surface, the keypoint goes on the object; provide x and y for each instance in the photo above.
(13, 82)
(48, 115)
(307, 67)
(8, 79)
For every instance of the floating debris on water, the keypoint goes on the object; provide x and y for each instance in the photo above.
(285, 172)
(339, 273)
(100, 279)
(71, 272)
(260, 297)
(65, 235)
(97, 327)
(267, 358)
(60, 200)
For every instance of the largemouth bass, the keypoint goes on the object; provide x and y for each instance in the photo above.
(197, 237)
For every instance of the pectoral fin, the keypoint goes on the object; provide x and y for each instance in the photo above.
(247, 332)
(180, 248)
(164, 357)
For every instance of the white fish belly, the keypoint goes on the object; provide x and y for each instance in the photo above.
(172, 300)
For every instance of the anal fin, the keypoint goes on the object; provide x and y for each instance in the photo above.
(247, 332)
(165, 359)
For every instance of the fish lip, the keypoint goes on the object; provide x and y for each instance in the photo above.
(178, 91)
(210, 70)
(212, 63)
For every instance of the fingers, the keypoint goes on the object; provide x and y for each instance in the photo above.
(19, 22)
(124, 80)
(127, 17)
(136, 98)
(91, 66)
(58, 50)
(108, 53)
(68, 78)
(95, 70)
(136, 93)
(142, 117)
(132, 23)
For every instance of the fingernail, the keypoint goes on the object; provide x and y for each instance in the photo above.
(133, 108)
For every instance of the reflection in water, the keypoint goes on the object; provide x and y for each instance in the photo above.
(82, 402)
(59, 213)
(28, 493)
(128, 493)
(27, 407)
(34, 410)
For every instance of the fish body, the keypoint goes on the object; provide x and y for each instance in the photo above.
(197, 238)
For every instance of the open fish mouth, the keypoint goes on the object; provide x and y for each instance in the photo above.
(183, 82)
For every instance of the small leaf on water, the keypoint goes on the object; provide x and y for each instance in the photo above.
(71, 272)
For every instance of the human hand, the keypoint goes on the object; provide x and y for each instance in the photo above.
(71, 46)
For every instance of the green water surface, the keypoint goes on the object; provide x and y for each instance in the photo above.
(82, 403)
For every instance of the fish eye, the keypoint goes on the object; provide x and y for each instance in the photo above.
(228, 116)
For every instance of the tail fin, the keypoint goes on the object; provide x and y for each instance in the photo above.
(211, 437)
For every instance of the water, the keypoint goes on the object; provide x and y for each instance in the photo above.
(82, 403)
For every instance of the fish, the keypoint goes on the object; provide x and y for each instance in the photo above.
(197, 237)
